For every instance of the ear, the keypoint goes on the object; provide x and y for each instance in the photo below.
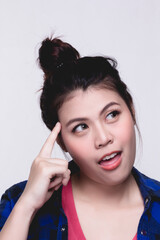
(61, 143)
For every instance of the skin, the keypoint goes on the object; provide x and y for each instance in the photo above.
(46, 175)
(111, 198)
(100, 133)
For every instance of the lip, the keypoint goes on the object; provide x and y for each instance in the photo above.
(108, 154)
(113, 163)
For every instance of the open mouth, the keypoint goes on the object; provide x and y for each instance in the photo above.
(110, 161)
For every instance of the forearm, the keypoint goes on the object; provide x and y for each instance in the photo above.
(17, 224)
(47, 175)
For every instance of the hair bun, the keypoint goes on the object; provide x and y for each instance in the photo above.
(55, 53)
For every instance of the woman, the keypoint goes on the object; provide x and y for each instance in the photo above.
(98, 195)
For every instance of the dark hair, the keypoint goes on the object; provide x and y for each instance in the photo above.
(65, 71)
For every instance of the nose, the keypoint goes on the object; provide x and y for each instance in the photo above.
(102, 137)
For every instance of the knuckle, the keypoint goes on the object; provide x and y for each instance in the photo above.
(65, 163)
(63, 169)
(68, 171)
(41, 167)
(37, 160)
(43, 170)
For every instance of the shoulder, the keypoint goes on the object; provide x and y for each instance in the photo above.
(13, 193)
(9, 199)
(147, 185)
(150, 190)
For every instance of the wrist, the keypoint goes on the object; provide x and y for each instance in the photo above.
(24, 208)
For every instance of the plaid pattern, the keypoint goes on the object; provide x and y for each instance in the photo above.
(50, 221)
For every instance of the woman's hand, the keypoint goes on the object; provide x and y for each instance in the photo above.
(46, 175)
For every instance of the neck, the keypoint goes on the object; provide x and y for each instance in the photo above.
(118, 195)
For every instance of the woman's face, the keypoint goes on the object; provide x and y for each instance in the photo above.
(98, 132)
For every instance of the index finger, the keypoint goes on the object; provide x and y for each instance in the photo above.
(48, 145)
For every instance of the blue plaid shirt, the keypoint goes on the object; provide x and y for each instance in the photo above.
(50, 221)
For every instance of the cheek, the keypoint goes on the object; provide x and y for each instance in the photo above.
(126, 132)
(77, 148)
(74, 149)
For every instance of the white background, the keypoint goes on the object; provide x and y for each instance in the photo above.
(124, 29)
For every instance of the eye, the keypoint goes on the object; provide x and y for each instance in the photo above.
(112, 115)
(80, 128)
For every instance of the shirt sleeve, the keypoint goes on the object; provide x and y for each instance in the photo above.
(8, 200)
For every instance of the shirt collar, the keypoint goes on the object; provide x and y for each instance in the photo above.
(149, 187)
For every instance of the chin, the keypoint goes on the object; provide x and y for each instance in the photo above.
(118, 176)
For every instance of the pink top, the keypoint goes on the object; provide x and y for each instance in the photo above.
(74, 228)
(135, 237)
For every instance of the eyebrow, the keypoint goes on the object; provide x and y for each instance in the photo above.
(108, 106)
(85, 119)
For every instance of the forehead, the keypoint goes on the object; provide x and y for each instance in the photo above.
(81, 102)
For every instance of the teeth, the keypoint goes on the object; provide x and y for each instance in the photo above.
(110, 156)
